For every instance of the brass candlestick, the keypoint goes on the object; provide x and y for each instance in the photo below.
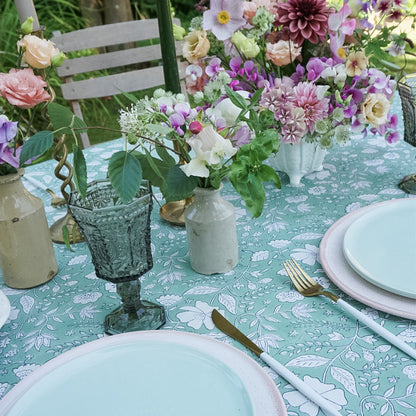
(60, 154)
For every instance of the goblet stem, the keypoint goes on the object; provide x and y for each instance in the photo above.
(134, 314)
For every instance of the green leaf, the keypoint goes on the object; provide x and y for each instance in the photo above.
(80, 171)
(63, 119)
(178, 185)
(148, 171)
(36, 145)
(151, 160)
(267, 173)
(60, 117)
(158, 128)
(235, 98)
(130, 97)
(125, 174)
(165, 156)
(65, 237)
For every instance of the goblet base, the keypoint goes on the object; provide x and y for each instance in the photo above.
(148, 316)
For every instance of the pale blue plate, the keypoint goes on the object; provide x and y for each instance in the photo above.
(380, 246)
(149, 373)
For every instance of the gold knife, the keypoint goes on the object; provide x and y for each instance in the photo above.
(229, 329)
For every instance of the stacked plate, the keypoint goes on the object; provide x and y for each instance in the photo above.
(370, 254)
(147, 373)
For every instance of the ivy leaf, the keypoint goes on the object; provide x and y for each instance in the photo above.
(36, 145)
(80, 170)
(125, 173)
(178, 185)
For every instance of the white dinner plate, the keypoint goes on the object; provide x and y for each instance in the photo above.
(148, 373)
(380, 246)
(4, 308)
(342, 275)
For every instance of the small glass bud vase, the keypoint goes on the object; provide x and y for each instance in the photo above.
(118, 236)
(212, 234)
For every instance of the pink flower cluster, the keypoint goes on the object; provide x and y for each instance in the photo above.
(297, 107)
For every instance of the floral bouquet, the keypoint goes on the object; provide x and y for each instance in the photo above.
(324, 67)
(209, 144)
(23, 89)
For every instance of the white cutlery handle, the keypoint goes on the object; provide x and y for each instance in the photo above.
(300, 385)
(393, 339)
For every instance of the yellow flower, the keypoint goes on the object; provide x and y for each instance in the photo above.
(247, 46)
(196, 46)
(375, 109)
(356, 62)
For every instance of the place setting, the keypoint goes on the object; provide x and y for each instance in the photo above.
(369, 254)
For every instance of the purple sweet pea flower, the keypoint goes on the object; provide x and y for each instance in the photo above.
(235, 66)
(242, 137)
(315, 67)
(393, 136)
(299, 74)
(177, 121)
(9, 155)
(214, 67)
(8, 129)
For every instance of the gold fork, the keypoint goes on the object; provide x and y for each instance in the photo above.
(306, 286)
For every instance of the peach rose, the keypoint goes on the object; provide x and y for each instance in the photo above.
(282, 52)
(21, 87)
(195, 46)
(375, 109)
(37, 52)
(250, 10)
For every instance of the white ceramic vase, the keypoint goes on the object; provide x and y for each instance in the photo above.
(298, 160)
(212, 234)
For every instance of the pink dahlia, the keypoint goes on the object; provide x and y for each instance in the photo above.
(305, 19)
(315, 106)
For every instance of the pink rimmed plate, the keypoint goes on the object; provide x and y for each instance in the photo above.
(349, 281)
(147, 373)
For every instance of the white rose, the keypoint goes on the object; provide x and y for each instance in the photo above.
(375, 109)
(210, 149)
(228, 111)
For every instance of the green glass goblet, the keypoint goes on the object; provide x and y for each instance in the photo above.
(118, 237)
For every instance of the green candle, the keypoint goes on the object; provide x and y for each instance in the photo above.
(167, 44)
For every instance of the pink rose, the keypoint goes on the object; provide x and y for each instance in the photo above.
(21, 87)
(37, 52)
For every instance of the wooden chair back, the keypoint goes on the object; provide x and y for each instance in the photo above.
(102, 41)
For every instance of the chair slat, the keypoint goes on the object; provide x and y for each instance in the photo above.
(114, 84)
(107, 35)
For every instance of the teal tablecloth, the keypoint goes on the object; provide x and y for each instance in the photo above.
(355, 368)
